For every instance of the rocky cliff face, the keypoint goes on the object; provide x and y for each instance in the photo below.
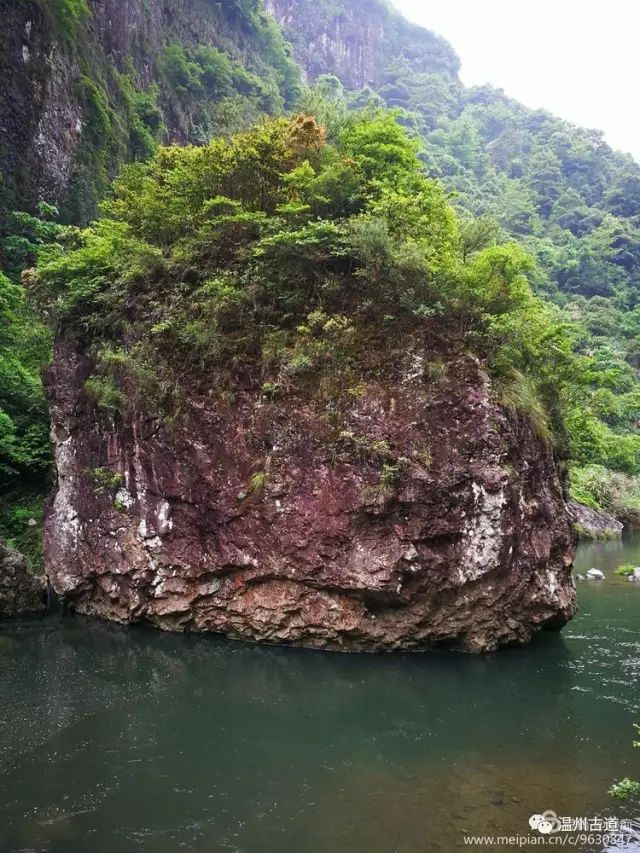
(356, 41)
(64, 109)
(259, 521)
(66, 88)
(594, 524)
(42, 111)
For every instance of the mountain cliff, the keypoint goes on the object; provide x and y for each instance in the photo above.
(357, 41)
(469, 549)
(95, 84)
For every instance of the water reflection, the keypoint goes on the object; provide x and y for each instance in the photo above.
(607, 556)
(131, 740)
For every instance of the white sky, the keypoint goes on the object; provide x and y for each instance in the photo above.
(579, 59)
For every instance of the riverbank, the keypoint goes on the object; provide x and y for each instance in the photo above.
(594, 525)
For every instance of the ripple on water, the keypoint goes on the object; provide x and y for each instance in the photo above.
(136, 741)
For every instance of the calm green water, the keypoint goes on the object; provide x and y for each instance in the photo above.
(130, 740)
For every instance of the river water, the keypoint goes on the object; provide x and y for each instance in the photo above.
(115, 740)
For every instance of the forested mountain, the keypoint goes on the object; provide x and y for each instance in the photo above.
(89, 85)
(559, 190)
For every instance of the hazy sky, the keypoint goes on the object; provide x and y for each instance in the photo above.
(576, 58)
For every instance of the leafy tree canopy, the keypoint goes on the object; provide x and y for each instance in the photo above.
(282, 248)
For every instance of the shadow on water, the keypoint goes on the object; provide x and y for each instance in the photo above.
(129, 740)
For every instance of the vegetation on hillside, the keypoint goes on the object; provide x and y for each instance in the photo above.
(25, 453)
(563, 195)
(241, 70)
(286, 249)
(24, 346)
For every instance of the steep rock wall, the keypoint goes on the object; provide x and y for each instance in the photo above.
(62, 104)
(57, 80)
(258, 521)
(356, 41)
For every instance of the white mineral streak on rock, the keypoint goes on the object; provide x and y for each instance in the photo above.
(65, 514)
(164, 520)
(168, 580)
(482, 534)
(411, 555)
(414, 370)
(145, 531)
(125, 498)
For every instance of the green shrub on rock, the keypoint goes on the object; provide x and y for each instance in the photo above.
(284, 251)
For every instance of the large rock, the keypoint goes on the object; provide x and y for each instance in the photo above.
(411, 513)
(21, 593)
(594, 524)
(596, 575)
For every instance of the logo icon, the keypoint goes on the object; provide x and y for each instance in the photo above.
(546, 823)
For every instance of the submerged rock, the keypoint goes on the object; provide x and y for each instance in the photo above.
(428, 515)
(596, 575)
(594, 524)
(21, 592)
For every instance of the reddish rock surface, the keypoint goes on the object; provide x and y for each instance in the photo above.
(421, 513)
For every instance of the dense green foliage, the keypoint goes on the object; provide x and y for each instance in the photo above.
(25, 347)
(25, 456)
(65, 17)
(208, 92)
(601, 488)
(558, 189)
(285, 251)
(243, 70)
(494, 155)
(21, 522)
